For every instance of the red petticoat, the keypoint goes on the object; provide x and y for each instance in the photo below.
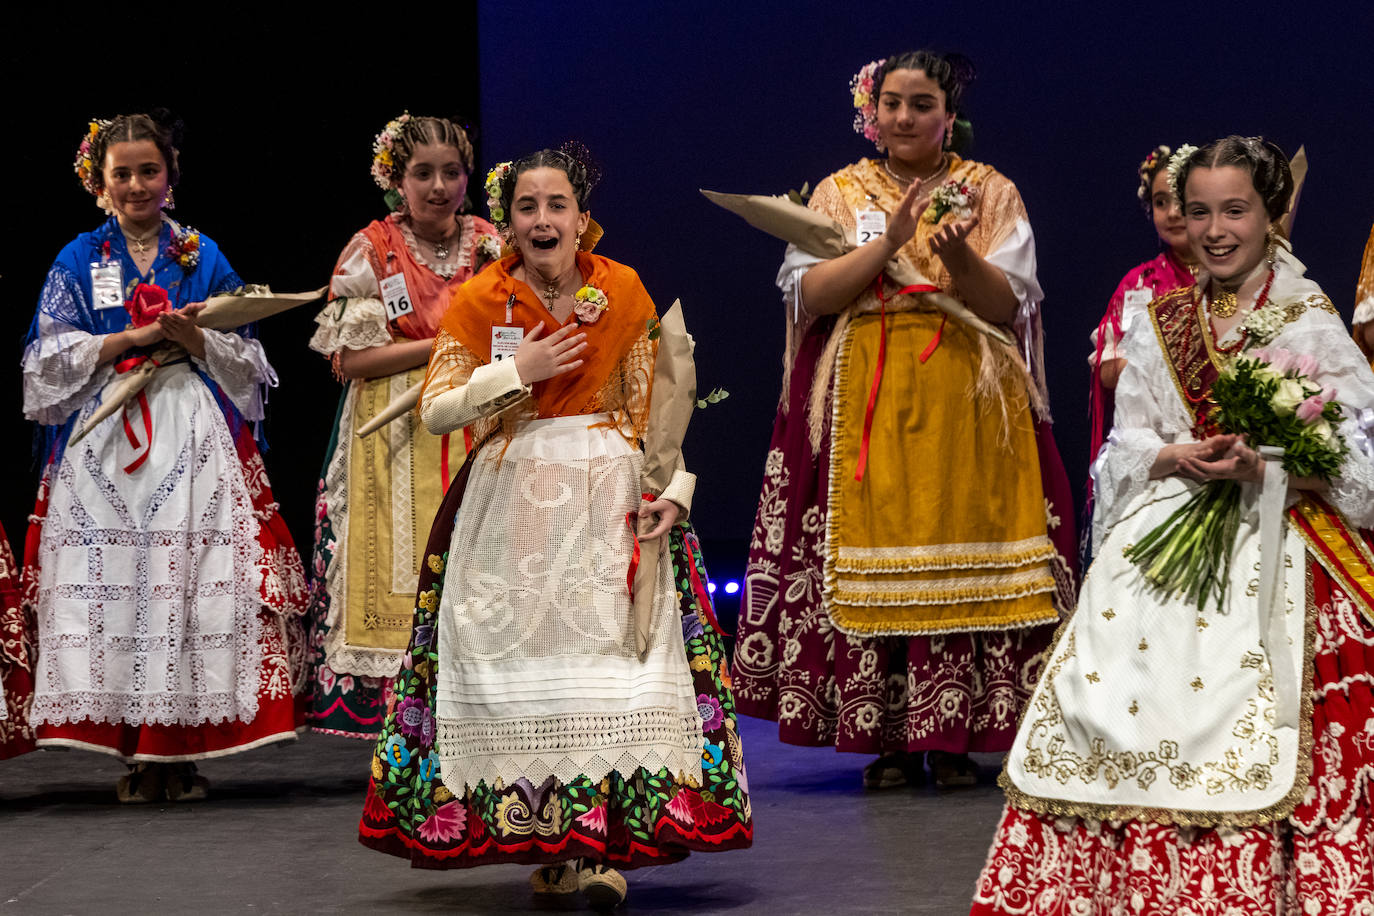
(1318, 861)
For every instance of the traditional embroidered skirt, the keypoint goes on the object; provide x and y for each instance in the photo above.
(169, 596)
(376, 498)
(614, 811)
(955, 692)
(1320, 859)
(16, 660)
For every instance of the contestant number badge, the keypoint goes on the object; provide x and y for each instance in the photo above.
(396, 296)
(871, 224)
(107, 284)
(505, 340)
(1136, 299)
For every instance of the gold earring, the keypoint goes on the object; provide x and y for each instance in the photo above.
(168, 202)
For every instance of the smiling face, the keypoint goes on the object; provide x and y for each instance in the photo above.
(546, 220)
(136, 181)
(912, 119)
(1167, 214)
(1227, 222)
(434, 183)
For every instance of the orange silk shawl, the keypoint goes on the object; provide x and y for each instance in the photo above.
(480, 304)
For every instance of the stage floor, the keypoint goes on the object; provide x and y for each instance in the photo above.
(277, 835)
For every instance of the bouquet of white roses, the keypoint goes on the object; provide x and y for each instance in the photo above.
(1267, 396)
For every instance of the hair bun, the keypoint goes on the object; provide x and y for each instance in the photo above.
(961, 68)
(175, 127)
(577, 153)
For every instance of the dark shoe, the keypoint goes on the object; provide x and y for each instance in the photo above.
(184, 785)
(891, 771)
(141, 785)
(952, 770)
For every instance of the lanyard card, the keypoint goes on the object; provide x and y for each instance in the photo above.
(1135, 299)
(505, 340)
(871, 224)
(107, 284)
(396, 296)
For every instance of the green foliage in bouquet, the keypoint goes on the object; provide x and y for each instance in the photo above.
(1269, 398)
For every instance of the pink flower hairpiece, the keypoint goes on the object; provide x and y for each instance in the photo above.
(866, 102)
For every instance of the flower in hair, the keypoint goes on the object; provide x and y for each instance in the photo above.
(588, 304)
(495, 179)
(86, 168)
(1175, 167)
(866, 102)
(1147, 167)
(383, 152)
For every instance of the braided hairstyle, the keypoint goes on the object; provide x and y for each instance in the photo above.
(159, 126)
(572, 159)
(952, 72)
(1266, 163)
(1149, 169)
(418, 131)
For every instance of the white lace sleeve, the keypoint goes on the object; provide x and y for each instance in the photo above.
(355, 317)
(240, 368)
(60, 366)
(61, 372)
(1149, 415)
(1342, 366)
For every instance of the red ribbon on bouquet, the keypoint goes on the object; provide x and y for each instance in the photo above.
(882, 358)
(632, 522)
(121, 367)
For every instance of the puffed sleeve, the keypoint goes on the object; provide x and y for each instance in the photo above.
(237, 364)
(60, 365)
(355, 316)
(1149, 415)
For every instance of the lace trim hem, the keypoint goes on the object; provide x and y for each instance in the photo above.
(155, 709)
(567, 747)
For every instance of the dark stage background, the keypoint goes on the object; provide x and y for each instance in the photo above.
(736, 97)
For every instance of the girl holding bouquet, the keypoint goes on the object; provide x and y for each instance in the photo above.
(1201, 739)
(167, 591)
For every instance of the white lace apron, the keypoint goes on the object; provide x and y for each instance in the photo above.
(149, 580)
(538, 671)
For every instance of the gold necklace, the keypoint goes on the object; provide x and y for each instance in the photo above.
(553, 289)
(944, 164)
(141, 242)
(1224, 303)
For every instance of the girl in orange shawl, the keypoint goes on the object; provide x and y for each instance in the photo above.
(528, 726)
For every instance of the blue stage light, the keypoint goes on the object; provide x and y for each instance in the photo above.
(711, 587)
(731, 587)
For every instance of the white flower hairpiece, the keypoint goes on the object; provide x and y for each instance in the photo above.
(383, 155)
(1175, 166)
